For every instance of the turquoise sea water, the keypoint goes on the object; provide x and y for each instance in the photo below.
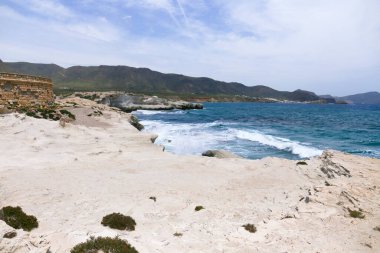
(256, 130)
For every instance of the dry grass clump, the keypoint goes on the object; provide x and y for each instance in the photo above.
(105, 245)
(250, 228)
(176, 234)
(16, 218)
(119, 221)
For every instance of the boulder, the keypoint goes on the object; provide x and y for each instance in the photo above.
(134, 121)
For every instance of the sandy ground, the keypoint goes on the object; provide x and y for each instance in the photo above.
(70, 177)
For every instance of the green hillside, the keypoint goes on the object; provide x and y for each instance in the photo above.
(143, 80)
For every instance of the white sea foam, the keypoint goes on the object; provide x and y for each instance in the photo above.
(187, 138)
(153, 112)
(194, 138)
(294, 147)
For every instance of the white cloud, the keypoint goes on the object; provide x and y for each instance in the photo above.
(324, 46)
(51, 8)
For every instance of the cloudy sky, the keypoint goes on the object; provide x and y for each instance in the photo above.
(326, 46)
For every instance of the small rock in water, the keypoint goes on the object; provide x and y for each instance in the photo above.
(219, 154)
(153, 138)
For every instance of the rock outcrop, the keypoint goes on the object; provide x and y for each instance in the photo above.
(131, 102)
(136, 123)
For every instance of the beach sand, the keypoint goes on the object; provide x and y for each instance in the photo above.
(70, 177)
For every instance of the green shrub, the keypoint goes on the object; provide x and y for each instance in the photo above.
(198, 208)
(176, 234)
(66, 112)
(16, 218)
(31, 114)
(119, 221)
(104, 244)
(356, 214)
(250, 228)
(301, 163)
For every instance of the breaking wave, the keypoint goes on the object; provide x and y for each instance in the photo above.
(294, 147)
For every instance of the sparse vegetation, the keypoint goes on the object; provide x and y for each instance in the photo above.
(301, 163)
(66, 112)
(10, 235)
(32, 114)
(176, 234)
(43, 112)
(250, 228)
(105, 245)
(198, 208)
(356, 214)
(153, 198)
(119, 221)
(92, 97)
(377, 228)
(16, 218)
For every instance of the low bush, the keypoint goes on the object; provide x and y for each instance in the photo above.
(356, 214)
(301, 163)
(153, 198)
(66, 112)
(250, 228)
(105, 245)
(176, 234)
(16, 218)
(198, 208)
(119, 221)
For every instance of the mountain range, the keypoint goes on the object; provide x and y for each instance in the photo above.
(144, 80)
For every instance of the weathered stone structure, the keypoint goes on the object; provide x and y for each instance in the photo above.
(25, 90)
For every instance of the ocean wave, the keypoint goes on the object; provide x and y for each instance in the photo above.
(153, 112)
(294, 147)
(187, 138)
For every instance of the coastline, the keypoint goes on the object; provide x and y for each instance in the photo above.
(70, 177)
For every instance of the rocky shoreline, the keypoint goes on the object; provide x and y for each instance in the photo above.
(70, 176)
(131, 102)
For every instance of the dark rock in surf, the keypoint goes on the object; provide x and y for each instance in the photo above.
(219, 154)
(134, 121)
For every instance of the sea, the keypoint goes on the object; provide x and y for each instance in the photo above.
(257, 130)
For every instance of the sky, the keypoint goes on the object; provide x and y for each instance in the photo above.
(325, 46)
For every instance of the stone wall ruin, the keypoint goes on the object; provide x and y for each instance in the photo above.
(25, 90)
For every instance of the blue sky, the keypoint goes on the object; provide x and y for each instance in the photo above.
(326, 46)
